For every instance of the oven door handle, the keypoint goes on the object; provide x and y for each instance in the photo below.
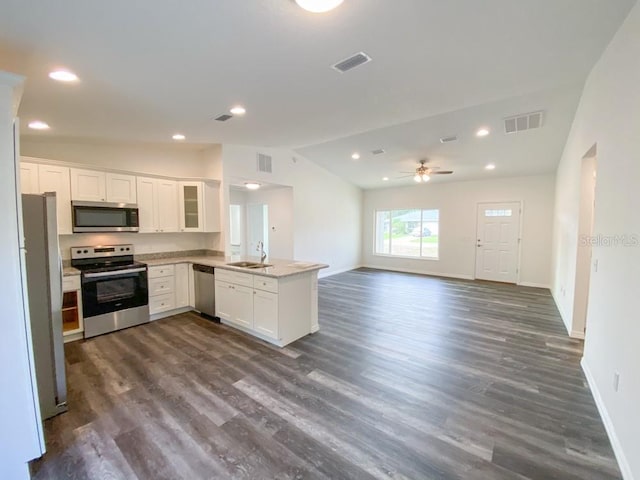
(114, 273)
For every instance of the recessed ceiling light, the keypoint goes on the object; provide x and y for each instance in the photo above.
(318, 6)
(356, 156)
(252, 185)
(385, 179)
(38, 125)
(63, 76)
(238, 110)
(490, 166)
(483, 132)
(178, 136)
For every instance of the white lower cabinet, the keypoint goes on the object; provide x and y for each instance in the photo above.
(168, 289)
(276, 310)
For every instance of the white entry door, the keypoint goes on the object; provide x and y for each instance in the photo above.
(498, 241)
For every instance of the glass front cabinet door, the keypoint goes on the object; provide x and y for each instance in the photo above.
(191, 204)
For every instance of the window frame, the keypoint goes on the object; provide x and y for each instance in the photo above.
(404, 257)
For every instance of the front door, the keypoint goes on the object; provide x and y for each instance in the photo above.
(497, 242)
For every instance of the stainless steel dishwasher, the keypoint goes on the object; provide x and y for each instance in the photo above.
(205, 290)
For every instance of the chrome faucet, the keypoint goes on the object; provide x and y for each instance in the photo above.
(263, 254)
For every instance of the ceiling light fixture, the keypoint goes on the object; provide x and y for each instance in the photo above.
(356, 156)
(318, 6)
(422, 177)
(63, 76)
(385, 179)
(238, 110)
(252, 185)
(38, 125)
(178, 136)
(490, 166)
(483, 132)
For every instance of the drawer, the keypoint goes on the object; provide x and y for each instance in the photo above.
(268, 284)
(162, 303)
(162, 271)
(70, 284)
(238, 278)
(160, 286)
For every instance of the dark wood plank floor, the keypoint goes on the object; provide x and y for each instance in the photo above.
(410, 377)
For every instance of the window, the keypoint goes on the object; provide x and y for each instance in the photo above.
(497, 213)
(407, 233)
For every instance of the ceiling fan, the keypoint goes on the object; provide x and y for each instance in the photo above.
(423, 173)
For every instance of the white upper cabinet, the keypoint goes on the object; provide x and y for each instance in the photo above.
(29, 178)
(53, 178)
(199, 207)
(168, 216)
(95, 186)
(157, 205)
(88, 185)
(121, 188)
(147, 194)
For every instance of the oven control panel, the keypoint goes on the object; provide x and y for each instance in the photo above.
(101, 251)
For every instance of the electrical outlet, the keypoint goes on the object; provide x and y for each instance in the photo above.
(595, 265)
(616, 381)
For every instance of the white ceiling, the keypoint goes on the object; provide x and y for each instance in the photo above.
(151, 68)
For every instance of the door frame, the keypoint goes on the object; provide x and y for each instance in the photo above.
(519, 246)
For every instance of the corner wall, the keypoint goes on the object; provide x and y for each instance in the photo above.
(457, 202)
(609, 116)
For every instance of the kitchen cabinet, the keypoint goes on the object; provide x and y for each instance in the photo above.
(161, 289)
(88, 185)
(97, 186)
(169, 290)
(53, 178)
(182, 285)
(121, 188)
(29, 177)
(40, 178)
(157, 205)
(278, 310)
(199, 207)
(72, 321)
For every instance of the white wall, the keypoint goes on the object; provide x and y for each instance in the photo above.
(457, 203)
(327, 211)
(172, 160)
(18, 411)
(609, 116)
(280, 219)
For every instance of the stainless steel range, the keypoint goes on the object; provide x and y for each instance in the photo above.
(115, 293)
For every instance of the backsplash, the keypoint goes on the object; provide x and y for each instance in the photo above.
(144, 243)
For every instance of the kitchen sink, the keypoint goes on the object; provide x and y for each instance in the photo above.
(248, 264)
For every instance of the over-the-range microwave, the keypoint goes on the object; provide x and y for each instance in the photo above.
(104, 217)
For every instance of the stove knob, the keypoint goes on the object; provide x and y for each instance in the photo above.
(79, 251)
(128, 249)
(86, 251)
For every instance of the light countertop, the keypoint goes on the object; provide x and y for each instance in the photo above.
(278, 267)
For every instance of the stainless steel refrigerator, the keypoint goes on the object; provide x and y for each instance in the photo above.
(44, 285)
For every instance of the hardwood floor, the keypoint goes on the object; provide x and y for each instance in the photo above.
(410, 377)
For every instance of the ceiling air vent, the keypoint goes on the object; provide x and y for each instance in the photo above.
(379, 151)
(264, 163)
(353, 61)
(449, 139)
(526, 121)
(224, 118)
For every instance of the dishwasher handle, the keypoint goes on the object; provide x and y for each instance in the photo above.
(203, 268)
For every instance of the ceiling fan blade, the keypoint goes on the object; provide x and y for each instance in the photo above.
(442, 172)
(406, 176)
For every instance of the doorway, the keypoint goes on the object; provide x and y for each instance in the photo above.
(498, 238)
(585, 234)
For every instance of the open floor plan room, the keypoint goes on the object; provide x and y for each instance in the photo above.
(410, 377)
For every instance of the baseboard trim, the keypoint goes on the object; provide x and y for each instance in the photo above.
(421, 272)
(535, 285)
(323, 274)
(608, 424)
(562, 313)
(577, 334)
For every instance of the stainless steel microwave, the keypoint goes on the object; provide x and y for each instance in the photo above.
(104, 217)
